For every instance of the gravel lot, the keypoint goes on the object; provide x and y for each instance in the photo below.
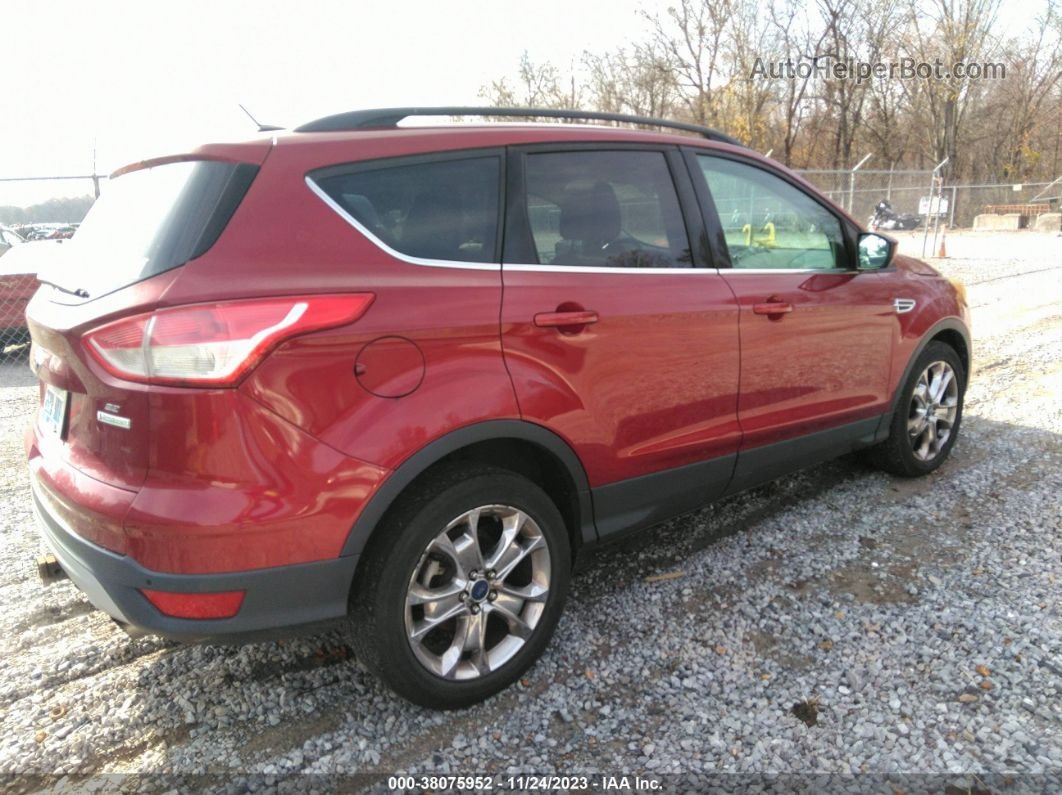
(919, 620)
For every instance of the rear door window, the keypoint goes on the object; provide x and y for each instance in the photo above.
(614, 209)
(432, 209)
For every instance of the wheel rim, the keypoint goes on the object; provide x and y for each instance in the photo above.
(478, 592)
(934, 409)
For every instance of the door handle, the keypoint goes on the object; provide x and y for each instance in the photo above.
(563, 320)
(772, 308)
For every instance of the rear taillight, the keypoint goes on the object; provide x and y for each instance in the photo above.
(213, 344)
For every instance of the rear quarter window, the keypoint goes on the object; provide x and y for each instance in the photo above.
(432, 209)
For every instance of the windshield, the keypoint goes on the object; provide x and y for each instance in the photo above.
(150, 221)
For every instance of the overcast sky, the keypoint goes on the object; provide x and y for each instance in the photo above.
(152, 77)
(143, 78)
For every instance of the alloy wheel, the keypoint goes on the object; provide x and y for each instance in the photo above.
(478, 592)
(933, 410)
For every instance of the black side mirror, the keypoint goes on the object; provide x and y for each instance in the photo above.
(875, 251)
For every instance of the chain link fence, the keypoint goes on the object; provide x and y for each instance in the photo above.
(916, 193)
(35, 213)
(860, 191)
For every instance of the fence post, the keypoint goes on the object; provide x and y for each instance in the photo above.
(932, 187)
(851, 182)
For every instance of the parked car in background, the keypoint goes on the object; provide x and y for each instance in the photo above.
(20, 261)
(48, 231)
(9, 238)
(282, 383)
(63, 232)
(16, 289)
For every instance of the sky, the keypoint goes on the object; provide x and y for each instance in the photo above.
(136, 79)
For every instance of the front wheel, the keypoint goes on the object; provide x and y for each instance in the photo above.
(463, 589)
(927, 417)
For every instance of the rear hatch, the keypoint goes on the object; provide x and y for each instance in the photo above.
(152, 219)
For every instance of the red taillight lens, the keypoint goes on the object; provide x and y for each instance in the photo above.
(213, 344)
(220, 604)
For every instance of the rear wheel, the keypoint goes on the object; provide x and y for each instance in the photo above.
(463, 591)
(926, 422)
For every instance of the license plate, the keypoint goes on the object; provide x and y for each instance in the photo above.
(53, 410)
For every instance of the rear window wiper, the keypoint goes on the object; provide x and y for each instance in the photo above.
(80, 292)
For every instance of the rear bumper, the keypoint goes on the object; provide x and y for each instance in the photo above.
(278, 600)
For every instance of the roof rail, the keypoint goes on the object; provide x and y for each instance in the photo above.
(390, 117)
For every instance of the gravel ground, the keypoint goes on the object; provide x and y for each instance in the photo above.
(915, 623)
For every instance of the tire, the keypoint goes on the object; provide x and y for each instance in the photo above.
(485, 631)
(914, 446)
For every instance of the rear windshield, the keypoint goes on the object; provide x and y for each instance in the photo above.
(150, 221)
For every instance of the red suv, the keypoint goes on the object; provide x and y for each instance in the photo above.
(402, 375)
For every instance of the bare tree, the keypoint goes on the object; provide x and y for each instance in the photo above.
(638, 80)
(696, 60)
(1019, 105)
(953, 31)
(796, 42)
(750, 99)
(887, 101)
(691, 34)
(536, 86)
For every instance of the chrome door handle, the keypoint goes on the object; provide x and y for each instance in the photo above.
(565, 319)
(772, 308)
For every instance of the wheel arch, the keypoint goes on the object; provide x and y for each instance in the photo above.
(959, 341)
(523, 447)
(952, 332)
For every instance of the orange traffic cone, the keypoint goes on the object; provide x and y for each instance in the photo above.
(943, 251)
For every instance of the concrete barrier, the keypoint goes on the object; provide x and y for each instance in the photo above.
(997, 222)
(1048, 222)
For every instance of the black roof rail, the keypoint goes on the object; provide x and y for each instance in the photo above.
(390, 117)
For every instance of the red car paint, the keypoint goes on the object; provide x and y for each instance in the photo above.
(641, 373)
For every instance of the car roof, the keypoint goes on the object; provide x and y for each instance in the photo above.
(381, 133)
(317, 149)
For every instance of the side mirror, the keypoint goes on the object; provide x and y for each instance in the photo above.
(875, 251)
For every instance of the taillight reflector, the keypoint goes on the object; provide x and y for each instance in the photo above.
(220, 604)
(213, 344)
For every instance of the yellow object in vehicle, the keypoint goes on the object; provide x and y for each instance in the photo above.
(767, 240)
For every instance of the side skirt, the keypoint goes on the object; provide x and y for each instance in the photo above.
(640, 502)
(762, 464)
(651, 499)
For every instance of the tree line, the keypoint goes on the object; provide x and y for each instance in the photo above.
(764, 71)
(62, 210)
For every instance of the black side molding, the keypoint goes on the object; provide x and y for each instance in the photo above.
(650, 499)
(762, 464)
